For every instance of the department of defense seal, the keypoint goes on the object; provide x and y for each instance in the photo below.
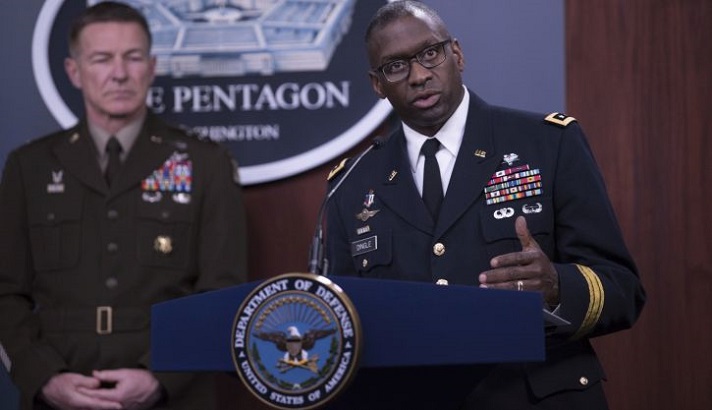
(296, 341)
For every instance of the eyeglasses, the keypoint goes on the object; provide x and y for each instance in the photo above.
(429, 57)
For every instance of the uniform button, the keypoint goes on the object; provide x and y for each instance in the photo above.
(50, 216)
(165, 214)
(364, 263)
(583, 380)
(112, 247)
(112, 214)
(443, 282)
(439, 249)
(111, 283)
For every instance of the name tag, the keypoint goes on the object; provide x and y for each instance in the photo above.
(364, 245)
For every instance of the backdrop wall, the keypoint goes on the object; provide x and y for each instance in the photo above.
(514, 55)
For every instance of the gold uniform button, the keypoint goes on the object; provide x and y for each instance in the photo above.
(112, 283)
(583, 381)
(439, 249)
(442, 282)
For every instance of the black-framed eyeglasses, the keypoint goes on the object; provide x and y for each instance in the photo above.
(429, 57)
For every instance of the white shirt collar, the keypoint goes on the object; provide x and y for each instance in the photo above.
(450, 135)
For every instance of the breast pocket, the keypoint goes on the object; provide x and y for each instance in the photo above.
(371, 252)
(55, 233)
(498, 224)
(165, 237)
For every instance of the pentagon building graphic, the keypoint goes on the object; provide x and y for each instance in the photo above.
(212, 38)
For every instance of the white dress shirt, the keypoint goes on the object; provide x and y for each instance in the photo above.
(450, 137)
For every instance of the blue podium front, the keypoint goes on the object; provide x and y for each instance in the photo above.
(424, 345)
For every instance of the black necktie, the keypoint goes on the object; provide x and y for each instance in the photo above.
(113, 148)
(432, 184)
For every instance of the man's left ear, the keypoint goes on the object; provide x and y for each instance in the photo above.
(459, 56)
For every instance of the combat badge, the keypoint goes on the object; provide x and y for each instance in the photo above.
(296, 341)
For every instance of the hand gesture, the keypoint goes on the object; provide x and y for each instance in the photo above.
(529, 269)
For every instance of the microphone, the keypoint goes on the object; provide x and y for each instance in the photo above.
(318, 264)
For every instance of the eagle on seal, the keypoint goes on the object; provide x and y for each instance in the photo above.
(295, 346)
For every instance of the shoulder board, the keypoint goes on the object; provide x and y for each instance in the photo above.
(335, 171)
(559, 119)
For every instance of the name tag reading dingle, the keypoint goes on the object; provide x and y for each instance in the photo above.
(365, 245)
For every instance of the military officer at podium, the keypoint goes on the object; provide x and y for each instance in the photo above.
(99, 222)
(468, 193)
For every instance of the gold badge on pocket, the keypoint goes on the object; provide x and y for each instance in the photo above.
(163, 244)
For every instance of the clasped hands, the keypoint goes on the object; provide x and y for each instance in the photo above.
(134, 389)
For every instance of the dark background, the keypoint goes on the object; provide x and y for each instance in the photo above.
(638, 78)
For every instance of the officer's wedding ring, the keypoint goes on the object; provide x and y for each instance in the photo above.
(520, 285)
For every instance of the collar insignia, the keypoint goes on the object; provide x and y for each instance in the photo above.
(57, 185)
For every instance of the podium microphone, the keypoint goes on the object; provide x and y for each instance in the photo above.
(318, 264)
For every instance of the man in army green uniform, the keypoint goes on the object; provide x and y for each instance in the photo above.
(99, 222)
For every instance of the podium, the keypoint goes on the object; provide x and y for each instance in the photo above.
(424, 346)
(9, 395)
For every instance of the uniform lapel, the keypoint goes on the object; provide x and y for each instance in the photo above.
(398, 189)
(475, 164)
(149, 152)
(77, 154)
